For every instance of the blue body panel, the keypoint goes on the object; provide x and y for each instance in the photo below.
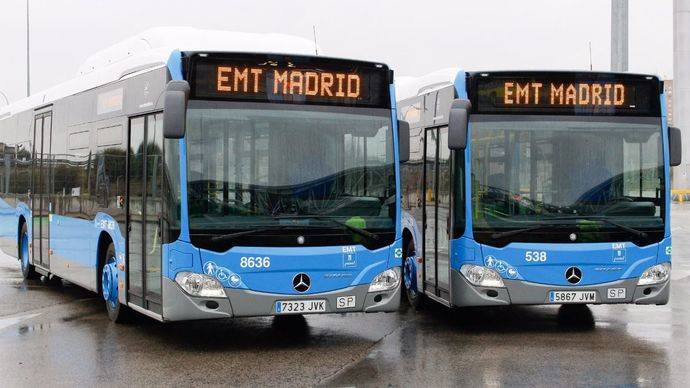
(8, 227)
(330, 268)
(7, 214)
(73, 239)
(599, 262)
(74, 243)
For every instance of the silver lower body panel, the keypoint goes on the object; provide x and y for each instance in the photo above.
(527, 293)
(178, 305)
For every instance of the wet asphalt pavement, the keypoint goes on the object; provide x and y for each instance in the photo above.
(60, 335)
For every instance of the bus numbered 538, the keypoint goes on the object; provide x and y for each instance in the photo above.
(527, 187)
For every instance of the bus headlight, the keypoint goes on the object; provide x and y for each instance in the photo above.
(197, 284)
(481, 276)
(655, 274)
(386, 280)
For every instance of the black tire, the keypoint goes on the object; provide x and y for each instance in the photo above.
(28, 270)
(53, 281)
(413, 296)
(117, 312)
(576, 315)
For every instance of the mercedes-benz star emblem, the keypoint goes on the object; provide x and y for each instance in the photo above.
(301, 282)
(573, 275)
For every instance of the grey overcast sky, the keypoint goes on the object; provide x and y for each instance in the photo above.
(413, 37)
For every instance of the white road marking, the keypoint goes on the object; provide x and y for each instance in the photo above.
(10, 321)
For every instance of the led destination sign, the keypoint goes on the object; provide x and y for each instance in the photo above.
(233, 79)
(604, 94)
(289, 80)
(560, 94)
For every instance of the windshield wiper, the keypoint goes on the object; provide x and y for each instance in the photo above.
(509, 233)
(605, 220)
(354, 229)
(360, 231)
(231, 236)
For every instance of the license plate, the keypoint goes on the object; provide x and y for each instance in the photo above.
(572, 296)
(300, 306)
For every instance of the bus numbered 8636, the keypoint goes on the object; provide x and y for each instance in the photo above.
(227, 175)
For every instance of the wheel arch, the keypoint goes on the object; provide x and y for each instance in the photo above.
(104, 240)
(407, 237)
(20, 223)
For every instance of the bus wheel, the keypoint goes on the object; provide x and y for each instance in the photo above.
(414, 297)
(28, 271)
(109, 289)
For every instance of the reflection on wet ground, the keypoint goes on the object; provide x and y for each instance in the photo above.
(57, 335)
(518, 346)
(69, 338)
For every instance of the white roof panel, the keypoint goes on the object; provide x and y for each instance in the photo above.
(406, 87)
(151, 49)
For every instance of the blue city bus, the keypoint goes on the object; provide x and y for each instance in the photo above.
(240, 177)
(526, 187)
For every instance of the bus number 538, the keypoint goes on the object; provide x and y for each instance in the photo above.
(535, 256)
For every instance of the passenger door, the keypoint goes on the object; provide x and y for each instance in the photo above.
(429, 229)
(40, 190)
(144, 210)
(437, 212)
(443, 212)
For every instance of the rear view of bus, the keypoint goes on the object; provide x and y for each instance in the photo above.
(560, 191)
(289, 195)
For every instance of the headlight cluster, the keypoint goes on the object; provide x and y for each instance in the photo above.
(481, 276)
(386, 280)
(197, 284)
(655, 274)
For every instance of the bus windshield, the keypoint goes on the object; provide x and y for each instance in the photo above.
(601, 178)
(267, 166)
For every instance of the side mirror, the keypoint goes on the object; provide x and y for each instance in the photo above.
(457, 124)
(675, 147)
(403, 141)
(175, 109)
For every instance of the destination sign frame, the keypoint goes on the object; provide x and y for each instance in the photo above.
(288, 79)
(566, 93)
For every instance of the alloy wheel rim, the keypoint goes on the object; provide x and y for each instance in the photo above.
(25, 250)
(408, 277)
(109, 283)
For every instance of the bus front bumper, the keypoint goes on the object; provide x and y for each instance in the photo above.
(527, 293)
(178, 305)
